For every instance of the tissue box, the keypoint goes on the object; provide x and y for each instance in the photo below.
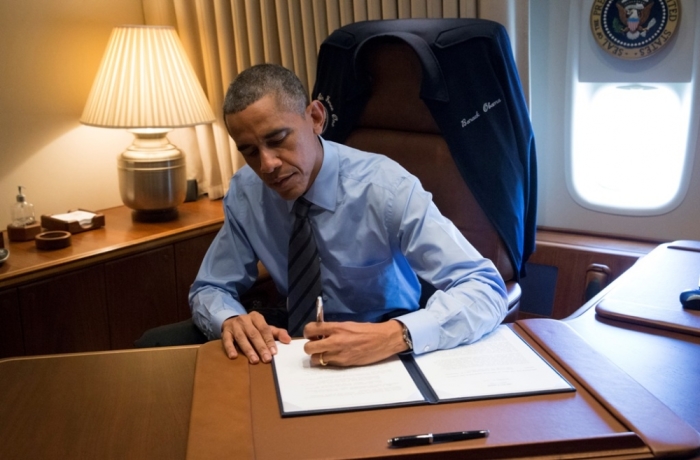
(74, 221)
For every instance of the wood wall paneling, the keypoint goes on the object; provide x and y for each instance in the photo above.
(572, 264)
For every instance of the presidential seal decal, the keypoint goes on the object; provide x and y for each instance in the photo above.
(634, 29)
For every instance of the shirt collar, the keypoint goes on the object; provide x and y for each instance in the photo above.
(324, 190)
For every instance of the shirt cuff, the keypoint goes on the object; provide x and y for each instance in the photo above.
(218, 318)
(424, 330)
(210, 308)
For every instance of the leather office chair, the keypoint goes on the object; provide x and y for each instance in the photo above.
(396, 122)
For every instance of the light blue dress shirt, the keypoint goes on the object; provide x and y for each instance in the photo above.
(375, 228)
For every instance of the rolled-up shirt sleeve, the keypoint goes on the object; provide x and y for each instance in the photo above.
(228, 269)
(471, 298)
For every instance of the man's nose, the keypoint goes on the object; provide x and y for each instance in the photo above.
(269, 161)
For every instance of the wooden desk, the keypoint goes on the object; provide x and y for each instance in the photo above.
(665, 362)
(111, 405)
(144, 404)
(235, 414)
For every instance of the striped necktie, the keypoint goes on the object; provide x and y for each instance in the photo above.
(304, 276)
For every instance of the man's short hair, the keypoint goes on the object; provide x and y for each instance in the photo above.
(258, 81)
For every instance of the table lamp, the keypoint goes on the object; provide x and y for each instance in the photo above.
(146, 84)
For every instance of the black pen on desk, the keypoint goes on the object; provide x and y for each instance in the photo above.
(432, 438)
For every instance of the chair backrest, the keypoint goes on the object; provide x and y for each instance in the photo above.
(468, 81)
(397, 123)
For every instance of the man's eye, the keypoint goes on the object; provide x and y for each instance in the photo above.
(278, 139)
(248, 152)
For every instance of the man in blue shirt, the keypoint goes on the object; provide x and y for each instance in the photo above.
(375, 227)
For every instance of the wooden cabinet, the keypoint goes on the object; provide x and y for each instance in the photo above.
(108, 287)
(66, 313)
(11, 337)
(188, 258)
(141, 294)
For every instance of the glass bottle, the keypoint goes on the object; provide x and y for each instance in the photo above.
(22, 211)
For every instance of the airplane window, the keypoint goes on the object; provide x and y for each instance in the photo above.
(628, 147)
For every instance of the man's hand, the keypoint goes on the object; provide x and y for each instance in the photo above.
(253, 336)
(353, 344)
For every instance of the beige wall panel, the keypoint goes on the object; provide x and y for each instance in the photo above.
(50, 54)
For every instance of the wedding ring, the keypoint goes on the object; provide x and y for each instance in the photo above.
(320, 360)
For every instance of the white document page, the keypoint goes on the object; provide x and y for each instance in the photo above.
(499, 364)
(305, 388)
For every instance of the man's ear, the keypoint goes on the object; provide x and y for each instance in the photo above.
(317, 112)
(228, 130)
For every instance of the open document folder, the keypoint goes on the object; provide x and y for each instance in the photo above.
(500, 364)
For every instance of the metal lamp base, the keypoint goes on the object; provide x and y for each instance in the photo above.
(152, 178)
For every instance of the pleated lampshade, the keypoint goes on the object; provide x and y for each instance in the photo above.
(146, 81)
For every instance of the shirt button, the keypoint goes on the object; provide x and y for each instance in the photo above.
(427, 348)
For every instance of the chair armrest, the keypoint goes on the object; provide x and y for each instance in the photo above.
(514, 292)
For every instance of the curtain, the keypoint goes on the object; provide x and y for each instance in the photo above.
(224, 37)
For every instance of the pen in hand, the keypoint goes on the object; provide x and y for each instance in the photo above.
(319, 309)
(430, 438)
(319, 312)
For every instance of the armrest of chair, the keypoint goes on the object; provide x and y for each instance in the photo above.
(514, 292)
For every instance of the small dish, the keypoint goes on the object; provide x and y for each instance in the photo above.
(54, 239)
(4, 254)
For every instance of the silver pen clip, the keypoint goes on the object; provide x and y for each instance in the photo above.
(319, 309)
